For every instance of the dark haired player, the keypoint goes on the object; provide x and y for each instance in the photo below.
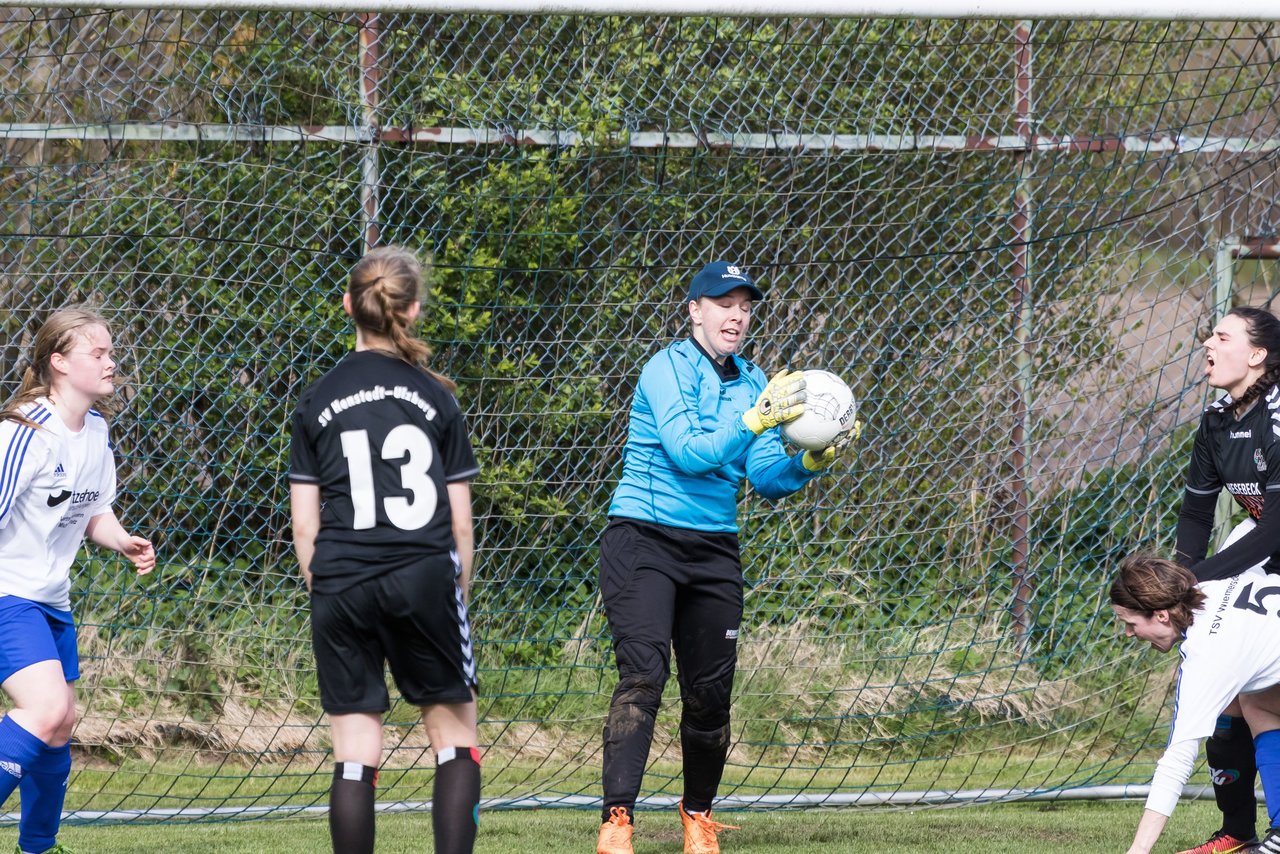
(1237, 448)
(1229, 642)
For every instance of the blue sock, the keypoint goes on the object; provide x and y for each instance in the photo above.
(18, 750)
(44, 789)
(1266, 748)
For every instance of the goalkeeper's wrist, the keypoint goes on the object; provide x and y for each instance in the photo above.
(753, 420)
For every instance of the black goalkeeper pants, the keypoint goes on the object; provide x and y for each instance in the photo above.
(666, 588)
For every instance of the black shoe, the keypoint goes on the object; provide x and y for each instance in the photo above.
(1271, 843)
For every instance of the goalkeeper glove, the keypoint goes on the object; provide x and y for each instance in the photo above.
(781, 401)
(819, 460)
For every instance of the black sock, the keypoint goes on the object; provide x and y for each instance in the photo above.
(455, 800)
(351, 808)
(1229, 752)
(704, 758)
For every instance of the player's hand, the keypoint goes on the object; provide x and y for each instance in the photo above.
(781, 401)
(819, 460)
(141, 553)
(847, 437)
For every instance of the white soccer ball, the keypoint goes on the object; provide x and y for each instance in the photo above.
(829, 410)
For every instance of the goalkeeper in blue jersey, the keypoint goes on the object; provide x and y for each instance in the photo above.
(701, 422)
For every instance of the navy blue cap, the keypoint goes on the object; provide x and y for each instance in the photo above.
(718, 278)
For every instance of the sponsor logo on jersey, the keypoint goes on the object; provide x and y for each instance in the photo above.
(1240, 434)
(1248, 496)
(1259, 460)
(59, 471)
(59, 497)
(1224, 776)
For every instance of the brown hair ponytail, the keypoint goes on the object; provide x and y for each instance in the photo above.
(384, 285)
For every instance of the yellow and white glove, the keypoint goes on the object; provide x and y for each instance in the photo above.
(819, 460)
(781, 401)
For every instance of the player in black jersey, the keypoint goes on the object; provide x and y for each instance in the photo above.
(380, 475)
(1237, 448)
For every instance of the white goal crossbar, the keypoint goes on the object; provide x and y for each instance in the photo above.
(1161, 10)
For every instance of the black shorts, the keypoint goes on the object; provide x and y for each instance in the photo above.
(412, 619)
(667, 588)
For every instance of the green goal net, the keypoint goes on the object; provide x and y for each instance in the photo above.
(1008, 236)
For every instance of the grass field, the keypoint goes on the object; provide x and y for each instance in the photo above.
(1076, 827)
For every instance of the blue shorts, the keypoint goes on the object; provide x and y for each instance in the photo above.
(32, 632)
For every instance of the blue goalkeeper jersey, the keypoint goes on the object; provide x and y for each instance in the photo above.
(688, 450)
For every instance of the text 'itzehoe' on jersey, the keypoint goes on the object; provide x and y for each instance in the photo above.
(382, 439)
(54, 481)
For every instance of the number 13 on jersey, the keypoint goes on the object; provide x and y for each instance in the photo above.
(406, 442)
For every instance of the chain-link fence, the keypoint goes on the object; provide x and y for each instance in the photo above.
(1002, 234)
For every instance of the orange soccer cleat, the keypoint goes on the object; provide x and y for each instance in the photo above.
(615, 834)
(700, 832)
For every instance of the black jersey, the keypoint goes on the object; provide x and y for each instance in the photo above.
(1241, 455)
(382, 439)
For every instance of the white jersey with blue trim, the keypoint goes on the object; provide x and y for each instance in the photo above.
(1232, 647)
(52, 482)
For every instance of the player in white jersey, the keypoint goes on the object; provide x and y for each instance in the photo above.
(57, 483)
(380, 470)
(1229, 633)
